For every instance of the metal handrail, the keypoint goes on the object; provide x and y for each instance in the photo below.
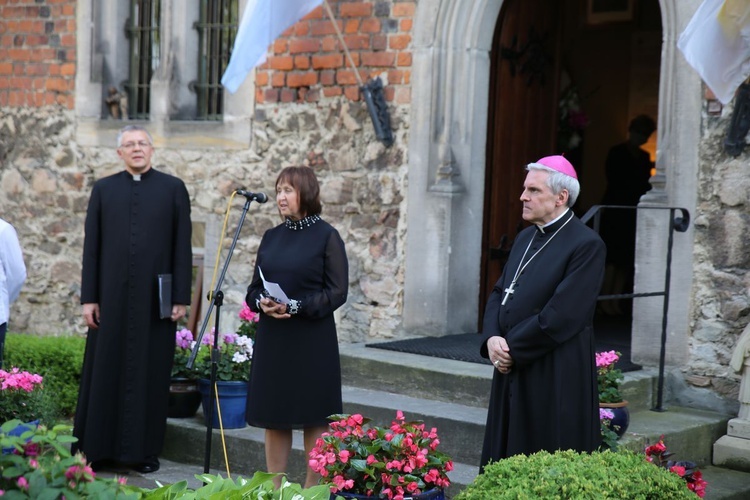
(679, 224)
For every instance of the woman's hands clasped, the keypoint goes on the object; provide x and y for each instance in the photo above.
(274, 309)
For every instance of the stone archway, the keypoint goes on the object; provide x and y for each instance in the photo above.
(446, 175)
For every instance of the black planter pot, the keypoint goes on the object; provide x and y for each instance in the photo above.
(184, 398)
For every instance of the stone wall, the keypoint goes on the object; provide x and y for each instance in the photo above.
(46, 180)
(721, 303)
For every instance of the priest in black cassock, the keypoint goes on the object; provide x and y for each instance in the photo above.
(538, 329)
(137, 228)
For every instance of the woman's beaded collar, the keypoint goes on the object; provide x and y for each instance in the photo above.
(298, 225)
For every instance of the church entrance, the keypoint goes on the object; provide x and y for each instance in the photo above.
(566, 78)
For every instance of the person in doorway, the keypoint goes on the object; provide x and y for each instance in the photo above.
(12, 277)
(295, 377)
(137, 228)
(538, 325)
(628, 170)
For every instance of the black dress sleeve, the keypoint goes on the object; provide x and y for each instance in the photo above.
(91, 249)
(335, 282)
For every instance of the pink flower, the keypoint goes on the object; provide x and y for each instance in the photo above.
(184, 338)
(122, 480)
(605, 414)
(246, 314)
(605, 359)
(344, 455)
(23, 483)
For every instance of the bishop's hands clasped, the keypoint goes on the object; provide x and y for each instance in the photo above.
(499, 352)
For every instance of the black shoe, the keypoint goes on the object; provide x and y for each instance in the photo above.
(151, 464)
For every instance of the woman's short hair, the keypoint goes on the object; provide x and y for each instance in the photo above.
(304, 181)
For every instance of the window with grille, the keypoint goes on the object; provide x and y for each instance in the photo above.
(217, 28)
(143, 32)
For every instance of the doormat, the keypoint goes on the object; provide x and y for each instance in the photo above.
(465, 346)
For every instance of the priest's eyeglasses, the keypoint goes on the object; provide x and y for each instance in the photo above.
(131, 145)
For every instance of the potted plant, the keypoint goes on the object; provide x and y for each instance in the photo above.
(359, 460)
(608, 380)
(232, 371)
(22, 398)
(658, 455)
(184, 395)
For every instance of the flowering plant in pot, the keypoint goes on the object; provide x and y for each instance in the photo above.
(381, 462)
(22, 397)
(657, 454)
(608, 377)
(184, 342)
(235, 356)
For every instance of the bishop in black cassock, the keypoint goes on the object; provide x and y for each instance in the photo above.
(137, 227)
(538, 326)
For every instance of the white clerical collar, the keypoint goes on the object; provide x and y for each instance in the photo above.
(541, 228)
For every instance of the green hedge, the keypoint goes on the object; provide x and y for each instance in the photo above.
(567, 474)
(57, 359)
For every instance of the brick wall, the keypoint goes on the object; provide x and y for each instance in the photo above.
(37, 53)
(307, 61)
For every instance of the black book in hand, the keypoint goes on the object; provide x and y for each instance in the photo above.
(165, 296)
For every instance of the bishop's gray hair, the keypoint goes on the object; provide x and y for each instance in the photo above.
(557, 181)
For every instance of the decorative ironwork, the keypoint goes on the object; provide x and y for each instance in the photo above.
(142, 28)
(217, 28)
(531, 59)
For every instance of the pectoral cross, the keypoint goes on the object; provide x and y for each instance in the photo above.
(508, 292)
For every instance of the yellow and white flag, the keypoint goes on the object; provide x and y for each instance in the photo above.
(262, 22)
(716, 43)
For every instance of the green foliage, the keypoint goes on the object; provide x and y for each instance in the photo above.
(567, 474)
(41, 467)
(259, 486)
(57, 359)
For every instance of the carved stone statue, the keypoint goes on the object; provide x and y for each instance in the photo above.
(117, 102)
(740, 363)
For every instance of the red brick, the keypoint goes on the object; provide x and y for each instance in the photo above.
(302, 79)
(261, 79)
(6, 68)
(395, 76)
(35, 69)
(389, 92)
(357, 42)
(399, 42)
(379, 42)
(302, 62)
(312, 95)
(407, 77)
(345, 77)
(403, 9)
(282, 63)
(352, 26)
(404, 59)
(406, 25)
(54, 70)
(68, 10)
(259, 96)
(34, 40)
(379, 59)
(355, 9)
(271, 95)
(370, 25)
(300, 45)
(328, 61)
(327, 78)
(68, 41)
(278, 79)
(352, 93)
(329, 44)
(57, 84)
(332, 91)
(288, 32)
(324, 27)
(68, 69)
(302, 29)
(288, 95)
(280, 46)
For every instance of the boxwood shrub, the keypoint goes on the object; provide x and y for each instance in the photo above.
(57, 359)
(567, 474)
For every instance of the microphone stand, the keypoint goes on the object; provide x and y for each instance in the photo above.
(217, 299)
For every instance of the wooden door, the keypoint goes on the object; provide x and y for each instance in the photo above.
(522, 121)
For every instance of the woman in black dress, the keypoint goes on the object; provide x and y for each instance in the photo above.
(295, 376)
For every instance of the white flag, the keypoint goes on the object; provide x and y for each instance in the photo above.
(262, 22)
(716, 43)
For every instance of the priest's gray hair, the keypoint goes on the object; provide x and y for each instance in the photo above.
(557, 181)
(132, 128)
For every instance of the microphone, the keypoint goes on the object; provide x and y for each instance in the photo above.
(259, 197)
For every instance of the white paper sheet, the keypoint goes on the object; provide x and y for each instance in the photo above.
(273, 289)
